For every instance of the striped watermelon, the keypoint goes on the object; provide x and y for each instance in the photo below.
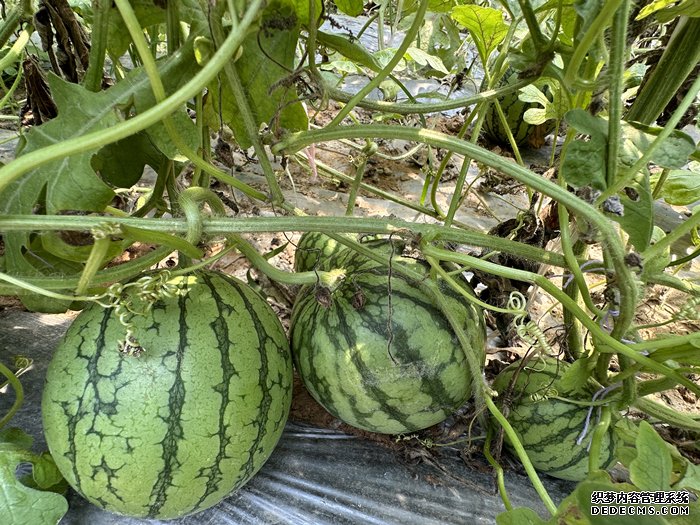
(313, 250)
(316, 251)
(377, 353)
(175, 429)
(549, 428)
(514, 109)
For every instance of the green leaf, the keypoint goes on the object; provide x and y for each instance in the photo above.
(343, 67)
(485, 25)
(118, 38)
(349, 49)
(191, 12)
(584, 164)
(576, 376)
(587, 11)
(121, 163)
(350, 7)
(301, 8)
(638, 218)
(19, 503)
(690, 479)
(682, 187)
(658, 264)
(264, 66)
(586, 123)
(422, 58)
(519, 516)
(673, 152)
(71, 184)
(665, 10)
(164, 239)
(45, 472)
(651, 469)
(16, 436)
(551, 109)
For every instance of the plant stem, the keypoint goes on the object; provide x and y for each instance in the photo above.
(109, 275)
(15, 52)
(98, 44)
(222, 226)
(625, 280)
(331, 279)
(666, 414)
(367, 151)
(597, 439)
(549, 287)
(408, 108)
(583, 46)
(522, 455)
(626, 177)
(151, 69)
(95, 260)
(616, 69)
(665, 243)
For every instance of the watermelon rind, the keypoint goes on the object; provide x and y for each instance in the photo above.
(377, 353)
(191, 419)
(550, 430)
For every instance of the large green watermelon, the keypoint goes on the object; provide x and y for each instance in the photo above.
(550, 428)
(175, 429)
(377, 353)
(514, 109)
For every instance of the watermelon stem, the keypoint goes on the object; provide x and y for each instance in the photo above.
(500, 480)
(522, 456)
(102, 235)
(330, 279)
(595, 446)
(149, 64)
(602, 337)
(126, 128)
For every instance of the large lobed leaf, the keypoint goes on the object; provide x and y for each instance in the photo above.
(71, 184)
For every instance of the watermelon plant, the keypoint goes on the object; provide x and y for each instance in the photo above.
(551, 422)
(376, 351)
(167, 415)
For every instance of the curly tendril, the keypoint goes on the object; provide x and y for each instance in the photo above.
(137, 299)
(528, 331)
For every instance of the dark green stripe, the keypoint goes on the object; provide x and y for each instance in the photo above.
(91, 359)
(219, 326)
(263, 373)
(368, 376)
(173, 421)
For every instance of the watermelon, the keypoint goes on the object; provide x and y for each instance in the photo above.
(174, 427)
(316, 251)
(514, 109)
(377, 353)
(550, 428)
